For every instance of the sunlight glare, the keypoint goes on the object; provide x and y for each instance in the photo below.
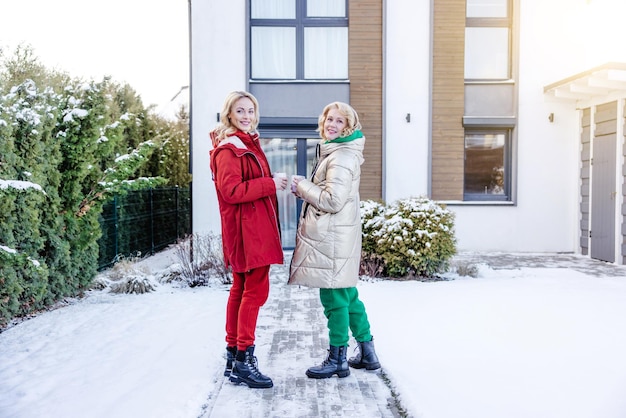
(602, 23)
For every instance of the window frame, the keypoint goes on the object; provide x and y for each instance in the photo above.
(300, 22)
(495, 22)
(507, 195)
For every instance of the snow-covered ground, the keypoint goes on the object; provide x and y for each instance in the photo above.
(530, 342)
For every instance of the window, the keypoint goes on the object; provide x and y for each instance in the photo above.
(487, 170)
(488, 40)
(299, 39)
(490, 109)
(292, 156)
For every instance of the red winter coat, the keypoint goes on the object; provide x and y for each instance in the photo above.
(246, 194)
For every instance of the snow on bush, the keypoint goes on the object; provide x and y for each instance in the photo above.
(200, 259)
(411, 237)
(126, 277)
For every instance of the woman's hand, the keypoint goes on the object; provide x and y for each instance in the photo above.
(280, 180)
(294, 184)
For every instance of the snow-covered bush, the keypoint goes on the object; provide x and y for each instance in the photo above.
(372, 220)
(465, 269)
(200, 260)
(126, 276)
(412, 237)
(133, 284)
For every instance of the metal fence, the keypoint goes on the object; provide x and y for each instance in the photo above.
(143, 222)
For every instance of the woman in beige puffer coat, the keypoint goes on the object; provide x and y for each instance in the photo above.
(328, 240)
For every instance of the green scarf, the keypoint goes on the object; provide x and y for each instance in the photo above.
(355, 135)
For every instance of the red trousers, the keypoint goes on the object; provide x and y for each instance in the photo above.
(248, 293)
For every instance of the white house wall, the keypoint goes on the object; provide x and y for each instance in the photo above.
(553, 44)
(218, 66)
(407, 54)
(545, 217)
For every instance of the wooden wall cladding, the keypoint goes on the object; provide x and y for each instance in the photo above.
(366, 87)
(448, 135)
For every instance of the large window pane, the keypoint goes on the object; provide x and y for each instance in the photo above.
(487, 8)
(326, 53)
(273, 9)
(282, 156)
(273, 52)
(326, 8)
(486, 53)
(485, 157)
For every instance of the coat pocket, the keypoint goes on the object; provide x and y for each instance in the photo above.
(316, 224)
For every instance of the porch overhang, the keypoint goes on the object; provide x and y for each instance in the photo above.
(598, 85)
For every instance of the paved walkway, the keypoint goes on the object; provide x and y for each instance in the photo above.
(291, 337)
(287, 348)
(583, 264)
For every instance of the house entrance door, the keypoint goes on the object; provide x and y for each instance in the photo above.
(603, 198)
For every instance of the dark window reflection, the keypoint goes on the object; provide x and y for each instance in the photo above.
(485, 160)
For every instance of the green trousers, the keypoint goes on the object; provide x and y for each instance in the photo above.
(344, 310)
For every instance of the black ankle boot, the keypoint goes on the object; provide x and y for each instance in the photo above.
(366, 358)
(230, 360)
(247, 371)
(335, 363)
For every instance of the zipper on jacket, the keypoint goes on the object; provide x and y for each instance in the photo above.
(318, 152)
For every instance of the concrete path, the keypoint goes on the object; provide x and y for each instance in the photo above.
(292, 332)
(580, 263)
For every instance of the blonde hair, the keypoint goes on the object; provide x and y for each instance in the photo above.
(225, 127)
(348, 112)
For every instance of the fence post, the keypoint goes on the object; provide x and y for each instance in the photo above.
(177, 215)
(116, 244)
(151, 221)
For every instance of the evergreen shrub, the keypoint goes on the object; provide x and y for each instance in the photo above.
(411, 237)
(19, 297)
(66, 145)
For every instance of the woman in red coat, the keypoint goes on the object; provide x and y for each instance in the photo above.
(246, 192)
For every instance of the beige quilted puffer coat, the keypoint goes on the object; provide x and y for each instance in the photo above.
(328, 240)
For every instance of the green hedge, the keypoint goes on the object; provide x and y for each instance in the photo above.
(23, 283)
(66, 146)
(61, 153)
